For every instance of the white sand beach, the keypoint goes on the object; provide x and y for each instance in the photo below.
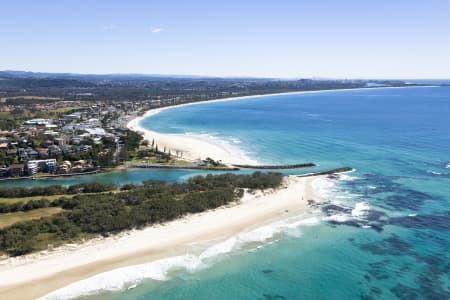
(190, 147)
(35, 275)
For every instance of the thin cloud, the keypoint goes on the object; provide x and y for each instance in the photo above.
(156, 29)
(109, 27)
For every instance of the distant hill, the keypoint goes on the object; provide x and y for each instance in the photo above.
(175, 88)
(118, 76)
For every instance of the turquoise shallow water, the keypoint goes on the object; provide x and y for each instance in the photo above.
(385, 233)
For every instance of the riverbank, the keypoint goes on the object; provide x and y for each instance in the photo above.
(44, 176)
(35, 275)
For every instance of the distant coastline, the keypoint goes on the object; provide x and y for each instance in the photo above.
(196, 147)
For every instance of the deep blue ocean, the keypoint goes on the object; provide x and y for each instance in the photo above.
(384, 232)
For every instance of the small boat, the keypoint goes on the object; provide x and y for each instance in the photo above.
(132, 287)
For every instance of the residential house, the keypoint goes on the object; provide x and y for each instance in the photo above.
(11, 152)
(66, 149)
(16, 170)
(73, 117)
(23, 155)
(3, 171)
(59, 141)
(77, 169)
(47, 142)
(54, 151)
(32, 154)
(96, 131)
(76, 140)
(64, 167)
(81, 148)
(43, 152)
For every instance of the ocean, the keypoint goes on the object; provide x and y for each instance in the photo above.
(384, 232)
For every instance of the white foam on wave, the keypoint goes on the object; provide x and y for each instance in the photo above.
(221, 248)
(346, 177)
(327, 188)
(330, 189)
(360, 210)
(119, 279)
(323, 186)
(343, 197)
(340, 218)
(434, 172)
(448, 166)
(267, 233)
(234, 140)
(123, 278)
(312, 221)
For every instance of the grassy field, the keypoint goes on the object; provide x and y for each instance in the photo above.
(5, 115)
(65, 109)
(11, 218)
(26, 199)
(49, 198)
(30, 98)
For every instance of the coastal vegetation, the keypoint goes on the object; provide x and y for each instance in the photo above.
(135, 206)
(130, 143)
(88, 187)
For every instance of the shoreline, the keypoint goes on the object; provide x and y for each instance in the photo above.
(192, 147)
(196, 146)
(38, 274)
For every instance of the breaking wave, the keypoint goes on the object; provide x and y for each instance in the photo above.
(163, 269)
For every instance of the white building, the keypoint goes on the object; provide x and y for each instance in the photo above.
(37, 122)
(46, 165)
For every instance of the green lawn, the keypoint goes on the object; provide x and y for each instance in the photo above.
(49, 198)
(65, 109)
(26, 199)
(11, 218)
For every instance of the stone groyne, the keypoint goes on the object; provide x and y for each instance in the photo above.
(277, 167)
(180, 166)
(328, 172)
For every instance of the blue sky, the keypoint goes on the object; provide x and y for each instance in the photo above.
(284, 38)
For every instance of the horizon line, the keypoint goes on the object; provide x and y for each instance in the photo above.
(222, 76)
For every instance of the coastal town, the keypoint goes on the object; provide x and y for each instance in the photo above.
(81, 137)
(78, 124)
